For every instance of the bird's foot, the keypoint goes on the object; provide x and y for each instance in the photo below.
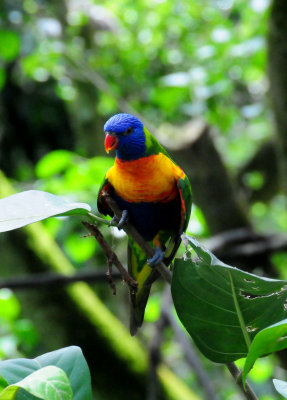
(124, 219)
(156, 258)
(114, 221)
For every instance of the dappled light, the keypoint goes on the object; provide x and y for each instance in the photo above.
(158, 270)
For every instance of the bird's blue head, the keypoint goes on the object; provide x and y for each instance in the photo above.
(125, 133)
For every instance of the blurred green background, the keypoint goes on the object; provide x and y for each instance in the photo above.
(197, 75)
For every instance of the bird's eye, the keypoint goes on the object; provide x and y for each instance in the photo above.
(129, 130)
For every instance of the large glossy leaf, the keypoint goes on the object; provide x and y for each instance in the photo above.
(34, 205)
(268, 340)
(69, 359)
(222, 307)
(48, 383)
(281, 387)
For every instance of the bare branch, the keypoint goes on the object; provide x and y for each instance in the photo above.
(235, 372)
(132, 232)
(36, 281)
(110, 277)
(111, 256)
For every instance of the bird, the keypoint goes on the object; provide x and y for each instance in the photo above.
(154, 195)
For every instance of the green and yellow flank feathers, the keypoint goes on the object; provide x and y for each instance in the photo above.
(156, 194)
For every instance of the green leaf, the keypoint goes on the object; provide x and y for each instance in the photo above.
(9, 45)
(34, 205)
(9, 305)
(2, 77)
(152, 311)
(3, 383)
(78, 248)
(268, 340)
(222, 307)
(54, 163)
(281, 387)
(48, 383)
(69, 359)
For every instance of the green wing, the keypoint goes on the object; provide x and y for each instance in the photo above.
(145, 276)
(137, 265)
(153, 146)
(140, 270)
(185, 193)
(184, 188)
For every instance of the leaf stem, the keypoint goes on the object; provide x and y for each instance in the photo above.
(101, 220)
(236, 373)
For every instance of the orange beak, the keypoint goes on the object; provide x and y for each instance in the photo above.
(111, 142)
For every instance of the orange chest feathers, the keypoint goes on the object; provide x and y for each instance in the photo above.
(148, 179)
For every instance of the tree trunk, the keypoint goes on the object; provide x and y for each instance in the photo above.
(277, 68)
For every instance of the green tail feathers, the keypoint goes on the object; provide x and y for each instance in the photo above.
(145, 276)
(138, 304)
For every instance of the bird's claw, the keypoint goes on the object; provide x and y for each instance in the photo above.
(156, 258)
(124, 219)
(114, 221)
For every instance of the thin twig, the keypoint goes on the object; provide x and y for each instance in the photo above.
(35, 281)
(111, 256)
(110, 277)
(245, 243)
(166, 273)
(132, 232)
(235, 372)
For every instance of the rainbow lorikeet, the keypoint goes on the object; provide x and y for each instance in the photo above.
(153, 192)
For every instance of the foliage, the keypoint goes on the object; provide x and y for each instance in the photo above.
(281, 387)
(17, 334)
(170, 61)
(268, 340)
(25, 208)
(245, 311)
(237, 305)
(61, 172)
(47, 383)
(59, 375)
(210, 63)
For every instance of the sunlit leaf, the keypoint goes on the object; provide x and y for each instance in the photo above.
(152, 311)
(268, 340)
(281, 387)
(53, 163)
(3, 383)
(87, 174)
(69, 359)
(9, 45)
(222, 307)
(27, 207)
(79, 248)
(254, 180)
(26, 334)
(263, 369)
(9, 305)
(48, 383)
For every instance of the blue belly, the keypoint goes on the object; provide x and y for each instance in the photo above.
(150, 218)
